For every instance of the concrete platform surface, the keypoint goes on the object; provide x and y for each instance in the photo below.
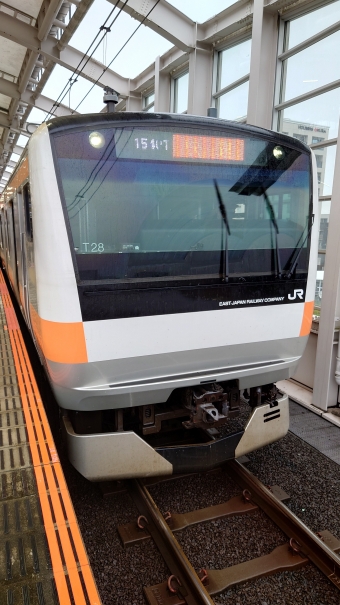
(315, 430)
(43, 560)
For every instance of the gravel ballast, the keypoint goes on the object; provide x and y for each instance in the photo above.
(310, 478)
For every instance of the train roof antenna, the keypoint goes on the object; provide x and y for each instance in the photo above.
(111, 98)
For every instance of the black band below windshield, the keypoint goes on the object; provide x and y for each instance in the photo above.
(99, 302)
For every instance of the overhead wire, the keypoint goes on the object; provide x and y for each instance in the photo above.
(97, 167)
(73, 206)
(71, 81)
(116, 55)
(86, 58)
(56, 102)
(95, 171)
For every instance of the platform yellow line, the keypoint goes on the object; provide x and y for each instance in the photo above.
(68, 559)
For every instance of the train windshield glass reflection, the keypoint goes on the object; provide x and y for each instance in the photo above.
(146, 204)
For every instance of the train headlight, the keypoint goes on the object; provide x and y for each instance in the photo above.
(96, 140)
(278, 153)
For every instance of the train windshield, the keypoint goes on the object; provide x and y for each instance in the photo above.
(183, 203)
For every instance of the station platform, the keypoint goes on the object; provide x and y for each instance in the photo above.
(318, 428)
(43, 560)
(315, 430)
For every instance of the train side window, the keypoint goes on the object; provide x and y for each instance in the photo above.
(28, 211)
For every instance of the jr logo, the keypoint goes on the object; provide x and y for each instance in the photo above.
(297, 293)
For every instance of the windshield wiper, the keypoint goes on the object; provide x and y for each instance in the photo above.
(224, 248)
(278, 270)
(297, 251)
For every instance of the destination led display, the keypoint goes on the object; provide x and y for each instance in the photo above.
(196, 147)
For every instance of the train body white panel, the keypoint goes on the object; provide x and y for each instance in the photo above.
(115, 339)
(136, 290)
(57, 296)
(151, 379)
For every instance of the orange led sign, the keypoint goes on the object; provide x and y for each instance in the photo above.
(207, 148)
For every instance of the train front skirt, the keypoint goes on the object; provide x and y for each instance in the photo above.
(124, 455)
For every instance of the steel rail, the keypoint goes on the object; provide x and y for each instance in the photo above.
(309, 543)
(191, 587)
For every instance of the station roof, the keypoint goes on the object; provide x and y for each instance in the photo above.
(32, 35)
(43, 46)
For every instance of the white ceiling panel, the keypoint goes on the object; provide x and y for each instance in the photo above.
(11, 56)
(4, 101)
(30, 7)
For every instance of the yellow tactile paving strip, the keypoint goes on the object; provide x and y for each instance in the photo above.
(72, 573)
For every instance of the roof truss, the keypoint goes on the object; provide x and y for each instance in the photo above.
(44, 51)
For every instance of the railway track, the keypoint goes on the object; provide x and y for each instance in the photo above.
(185, 585)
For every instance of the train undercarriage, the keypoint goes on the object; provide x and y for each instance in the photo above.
(197, 428)
(205, 407)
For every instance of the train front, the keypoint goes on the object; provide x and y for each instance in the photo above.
(172, 273)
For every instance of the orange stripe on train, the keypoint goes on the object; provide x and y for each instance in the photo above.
(307, 318)
(60, 342)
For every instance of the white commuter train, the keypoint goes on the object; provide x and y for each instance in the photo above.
(164, 264)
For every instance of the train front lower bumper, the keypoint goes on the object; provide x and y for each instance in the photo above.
(123, 455)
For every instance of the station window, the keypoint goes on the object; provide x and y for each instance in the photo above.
(180, 93)
(232, 81)
(149, 102)
(28, 211)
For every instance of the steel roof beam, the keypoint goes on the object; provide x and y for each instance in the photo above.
(170, 61)
(70, 57)
(16, 149)
(292, 7)
(44, 22)
(45, 104)
(4, 120)
(26, 70)
(49, 18)
(165, 20)
(82, 8)
(26, 35)
(226, 22)
(28, 97)
(8, 88)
